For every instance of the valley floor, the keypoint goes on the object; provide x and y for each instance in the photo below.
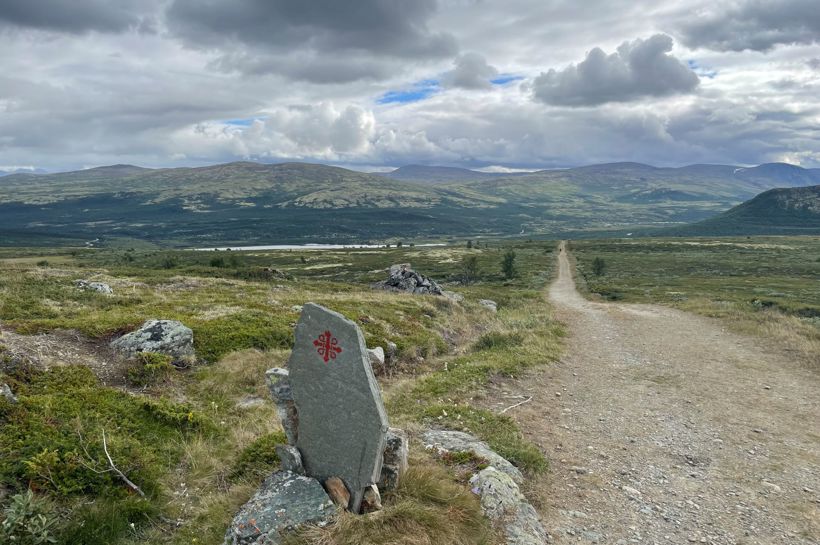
(663, 427)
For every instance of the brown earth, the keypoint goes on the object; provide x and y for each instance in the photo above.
(67, 347)
(662, 427)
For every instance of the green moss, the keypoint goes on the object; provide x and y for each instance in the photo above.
(253, 329)
(259, 458)
(53, 440)
(149, 368)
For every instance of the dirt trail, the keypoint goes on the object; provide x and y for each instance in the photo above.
(663, 427)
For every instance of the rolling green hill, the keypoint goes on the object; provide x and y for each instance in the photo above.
(789, 211)
(255, 203)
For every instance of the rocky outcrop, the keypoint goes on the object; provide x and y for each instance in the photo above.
(284, 502)
(162, 336)
(504, 504)
(497, 485)
(489, 304)
(457, 441)
(403, 278)
(100, 287)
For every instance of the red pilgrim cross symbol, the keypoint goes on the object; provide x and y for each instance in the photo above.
(328, 346)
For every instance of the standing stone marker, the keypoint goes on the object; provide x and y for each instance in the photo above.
(342, 422)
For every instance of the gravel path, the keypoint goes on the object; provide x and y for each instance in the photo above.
(663, 427)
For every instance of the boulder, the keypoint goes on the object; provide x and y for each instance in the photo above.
(278, 380)
(489, 304)
(100, 287)
(394, 459)
(458, 441)
(504, 504)
(403, 278)
(376, 356)
(163, 336)
(284, 502)
(6, 392)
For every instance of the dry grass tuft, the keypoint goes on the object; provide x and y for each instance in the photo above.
(428, 508)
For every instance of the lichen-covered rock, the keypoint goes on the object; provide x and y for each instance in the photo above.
(278, 380)
(394, 459)
(504, 504)
(163, 336)
(458, 441)
(6, 392)
(100, 287)
(489, 304)
(404, 278)
(284, 502)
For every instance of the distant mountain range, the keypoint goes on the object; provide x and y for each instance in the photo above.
(443, 175)
(253, 203)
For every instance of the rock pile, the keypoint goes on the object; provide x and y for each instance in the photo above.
(404, 278)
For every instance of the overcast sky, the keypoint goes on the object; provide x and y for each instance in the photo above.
(372, 84)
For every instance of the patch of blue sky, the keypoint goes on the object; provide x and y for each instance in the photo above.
(701, 71)
(419, 91)
(240, 122)
(505, 78)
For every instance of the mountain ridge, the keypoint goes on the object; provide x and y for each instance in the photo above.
(250, 202)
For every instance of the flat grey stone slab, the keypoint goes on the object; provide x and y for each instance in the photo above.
(342, 422)
(458, 441)
(284, 502)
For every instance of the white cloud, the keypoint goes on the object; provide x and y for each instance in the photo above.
(641, 68)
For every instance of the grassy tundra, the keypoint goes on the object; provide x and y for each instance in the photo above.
(761, 285)
(198, 441)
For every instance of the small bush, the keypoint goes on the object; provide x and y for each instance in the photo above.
(508, 265)
(598, 266)
(28, 520)
(43, 263)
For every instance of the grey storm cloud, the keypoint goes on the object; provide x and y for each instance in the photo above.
(355, 36)
(754, 24)
(78, 16)
(637, 69)
(471, 72)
